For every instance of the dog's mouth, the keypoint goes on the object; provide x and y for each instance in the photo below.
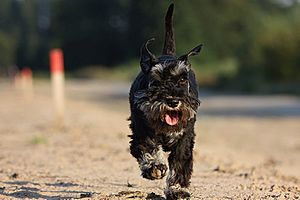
(172, 117)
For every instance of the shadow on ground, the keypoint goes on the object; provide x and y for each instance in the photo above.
(32, 190)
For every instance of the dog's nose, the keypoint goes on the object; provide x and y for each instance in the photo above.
(172, 102)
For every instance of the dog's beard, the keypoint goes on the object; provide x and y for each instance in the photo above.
(163, 117)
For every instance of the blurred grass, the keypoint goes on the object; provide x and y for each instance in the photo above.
(126, 71)
(219, 75)
(207, 73)
(36, 140)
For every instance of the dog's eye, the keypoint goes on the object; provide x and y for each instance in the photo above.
(182, 81)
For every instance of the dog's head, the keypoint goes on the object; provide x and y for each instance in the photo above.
(170, 99)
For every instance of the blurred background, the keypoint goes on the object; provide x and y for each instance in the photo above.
(250, 46)
(67, 138)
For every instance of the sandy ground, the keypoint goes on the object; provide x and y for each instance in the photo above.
(246, 147)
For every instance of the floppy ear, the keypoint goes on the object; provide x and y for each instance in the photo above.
(193, 52)
(147, 58)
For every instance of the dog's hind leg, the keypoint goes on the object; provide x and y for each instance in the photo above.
(150, 158)
(180, 168)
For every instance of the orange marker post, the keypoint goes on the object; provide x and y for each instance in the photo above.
(26, 83)
(58, 83)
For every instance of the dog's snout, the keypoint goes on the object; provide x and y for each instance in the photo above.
(172, 102)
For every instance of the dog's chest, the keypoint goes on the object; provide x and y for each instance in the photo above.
(172, 137)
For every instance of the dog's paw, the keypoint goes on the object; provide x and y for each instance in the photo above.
(155, 171)
(177, 193)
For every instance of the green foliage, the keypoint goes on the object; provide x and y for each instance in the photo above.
(7, 49)
(279, 47)
(247, 44)
(270, 61)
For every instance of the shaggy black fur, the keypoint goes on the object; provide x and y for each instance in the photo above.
(163, 103)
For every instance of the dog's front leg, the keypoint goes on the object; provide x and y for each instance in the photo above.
(180, 168)
(150, 158)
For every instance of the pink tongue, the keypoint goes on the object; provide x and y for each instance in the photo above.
(171, 120)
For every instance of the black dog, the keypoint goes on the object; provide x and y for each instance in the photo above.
(164, 102)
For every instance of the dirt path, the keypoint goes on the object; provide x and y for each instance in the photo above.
(236, 157)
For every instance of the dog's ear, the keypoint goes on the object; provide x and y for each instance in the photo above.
(193, 52)
(147, 58)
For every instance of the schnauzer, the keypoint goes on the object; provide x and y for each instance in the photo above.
(163, 103)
